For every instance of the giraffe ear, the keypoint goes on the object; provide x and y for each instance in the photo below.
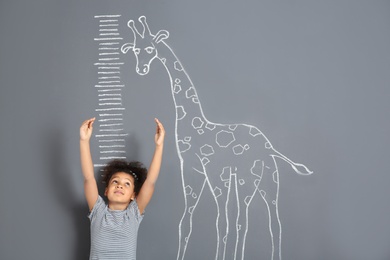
(161, 35)
(126, 47)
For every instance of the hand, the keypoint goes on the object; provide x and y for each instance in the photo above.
(86, 129)
(160, 133)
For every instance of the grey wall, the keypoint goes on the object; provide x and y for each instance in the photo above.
(314, 77)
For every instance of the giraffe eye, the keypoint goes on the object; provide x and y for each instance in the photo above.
(136, 51)
(149, 50)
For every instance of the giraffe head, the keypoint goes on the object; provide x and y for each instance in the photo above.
(144, 45)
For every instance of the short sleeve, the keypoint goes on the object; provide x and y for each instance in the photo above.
(133, 208)
(99, 205)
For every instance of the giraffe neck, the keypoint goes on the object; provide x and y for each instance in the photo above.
(184, 94)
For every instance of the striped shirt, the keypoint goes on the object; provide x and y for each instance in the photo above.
(114, 232)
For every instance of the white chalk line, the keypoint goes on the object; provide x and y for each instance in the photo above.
(109, 34)
(109, 90)
(109, 21)
(109, 125)
(109, 109)
(113, 151)
(108, 25)
(110, 119)
(110, 95)
(108, 43)
(108, 30)
(109, 53)
(108, 39)
(108, 48)
(112, 146)
(108, 72)
(109, 86)
(110, 114)
(112, 158)
(109, 99)
(107, 15)
(107, 63)
(111, 140)
(111, 135)
(110, 77)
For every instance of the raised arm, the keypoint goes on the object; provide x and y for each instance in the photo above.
(147, 190)
(90, 185)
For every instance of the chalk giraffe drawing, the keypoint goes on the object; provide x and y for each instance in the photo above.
(203, 148)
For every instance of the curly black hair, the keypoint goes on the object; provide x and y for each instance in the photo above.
(134, 168)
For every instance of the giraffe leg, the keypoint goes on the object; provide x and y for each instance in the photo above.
(275, 229)
(231, 214)
(192, 194)
(221, 225)
(243, 224)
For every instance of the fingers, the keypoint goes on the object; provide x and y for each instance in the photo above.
(89, 122)
(160, 127)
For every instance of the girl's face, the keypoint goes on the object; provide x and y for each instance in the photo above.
(120, 190)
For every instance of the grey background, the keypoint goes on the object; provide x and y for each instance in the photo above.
(313, 76)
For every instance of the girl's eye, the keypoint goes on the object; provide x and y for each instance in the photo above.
(114, 181)
(128, 184)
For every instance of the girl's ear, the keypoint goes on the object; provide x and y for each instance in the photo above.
(105, 192)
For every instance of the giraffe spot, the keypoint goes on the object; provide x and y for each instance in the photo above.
(257, 182)
(238, 227)
(238, 149)
(247, 200)
(163, 60)
(195, 100)
(190, 92)
(257, 168)
(225, 175)
(176, 88)
(232, 127)
(262, 193)
(268, 145)
(275, 176)
(224, 239)
(187, 138)
(246, 147)
(180, 113)
(183, 147)
(178, 66)
(205, 160)
(200, 131)
(225, 138)
(274, 202)
(253, 131)
(217, 192)
(227, 184)
(207, 150)
(188, 190)
(177, 80)
(194, 195)
(210, 126)
(197, 122)
(191, 209)
(241, 181)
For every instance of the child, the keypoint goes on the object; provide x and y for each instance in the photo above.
(129, 188)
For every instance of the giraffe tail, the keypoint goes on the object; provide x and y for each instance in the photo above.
(298, 167)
